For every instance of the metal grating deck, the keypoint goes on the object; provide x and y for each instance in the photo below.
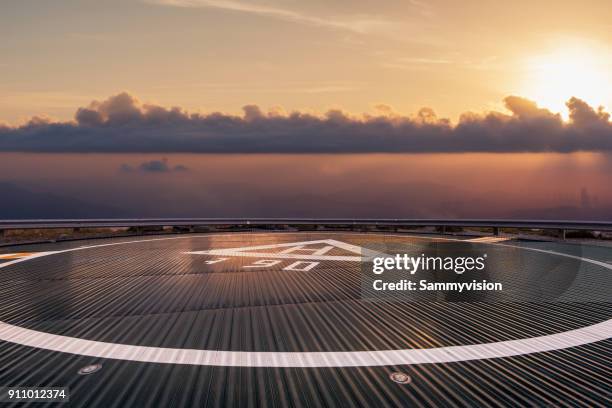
(150, 292)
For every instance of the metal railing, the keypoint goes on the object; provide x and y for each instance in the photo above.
(198, 222)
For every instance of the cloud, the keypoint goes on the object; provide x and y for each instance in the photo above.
(357, 25)
(153, 166)
(122, 123)
(525, 109)
(584, 115)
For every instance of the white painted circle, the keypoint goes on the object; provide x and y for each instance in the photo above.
(53, 342)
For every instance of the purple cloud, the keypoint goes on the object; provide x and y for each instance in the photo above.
(121, 123)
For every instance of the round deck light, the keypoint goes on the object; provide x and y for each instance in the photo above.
(89, 369)
(400, 378)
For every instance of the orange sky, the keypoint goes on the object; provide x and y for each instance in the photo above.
(392, 57)
(220, 55)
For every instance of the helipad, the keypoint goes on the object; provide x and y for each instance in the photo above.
(280, 319)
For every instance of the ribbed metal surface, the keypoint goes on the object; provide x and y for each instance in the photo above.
(153, 294)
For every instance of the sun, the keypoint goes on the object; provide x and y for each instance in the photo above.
(578, 70)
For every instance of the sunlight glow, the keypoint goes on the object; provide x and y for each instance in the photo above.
(572, 70)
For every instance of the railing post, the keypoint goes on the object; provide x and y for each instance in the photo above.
(562, 233)
(496, 230)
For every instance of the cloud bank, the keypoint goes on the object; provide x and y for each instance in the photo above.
(153, 166)
(122, 123)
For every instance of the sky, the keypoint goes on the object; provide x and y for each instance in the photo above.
(231, 108)
(469, 185)
(220, 55)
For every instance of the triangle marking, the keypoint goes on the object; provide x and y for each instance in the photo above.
(291, 250)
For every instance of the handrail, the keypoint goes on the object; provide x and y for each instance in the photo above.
(406, 222)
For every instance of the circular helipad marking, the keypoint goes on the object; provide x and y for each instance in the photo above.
(98, 349)
(89, 369)
(400, 378)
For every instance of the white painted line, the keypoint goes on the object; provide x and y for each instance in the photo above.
(90, 348)
(315, 251)
(54, 342)
(489, 239)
